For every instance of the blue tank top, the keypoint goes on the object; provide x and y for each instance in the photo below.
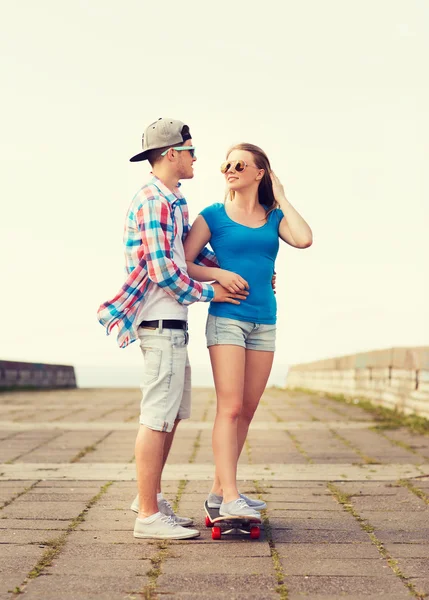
(250, 252)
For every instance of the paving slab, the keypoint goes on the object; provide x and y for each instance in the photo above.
(13, 572)
(69, 485)
(231, 594)
(7, 494)
(316, 551)
(18, 552)
(405, 537)
(400, 520)
(415, 567)
(310, 536)
(230, 548)
(387, 586)
(339, 567)
(55, 498)
(348, 595)
(110, 537)
(232, 583)
(8, 524)
(223, 565)
(297, 525)
(315, 515)
(421, 585)
(99, 567)
(45, 593)
(48, 583)
(27, 536)
(408, 550)
(43, 510)
(105, 550)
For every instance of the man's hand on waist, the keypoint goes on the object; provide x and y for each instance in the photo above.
(224, 295)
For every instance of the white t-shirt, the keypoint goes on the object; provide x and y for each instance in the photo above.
(157, 304)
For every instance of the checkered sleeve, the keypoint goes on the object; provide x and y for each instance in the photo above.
(157, 229)
(206, 258)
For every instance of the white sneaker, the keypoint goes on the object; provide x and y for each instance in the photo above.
(238, 508)
(165, 508)
(162, 527)
(135, 504)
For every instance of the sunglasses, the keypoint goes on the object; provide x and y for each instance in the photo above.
(179, 148)
(237, 165)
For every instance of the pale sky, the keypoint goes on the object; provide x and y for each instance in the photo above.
(335, 92)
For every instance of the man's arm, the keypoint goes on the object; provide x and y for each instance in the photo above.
(156, 228)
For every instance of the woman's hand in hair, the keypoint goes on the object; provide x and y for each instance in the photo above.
(231, 281)
(278, 189)
(293, 229)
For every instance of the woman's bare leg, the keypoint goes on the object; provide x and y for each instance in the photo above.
(257, 372)
(228, 364)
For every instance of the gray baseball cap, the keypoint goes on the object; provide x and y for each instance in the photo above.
(162, 133)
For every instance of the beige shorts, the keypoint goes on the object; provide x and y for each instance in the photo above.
(166, 382)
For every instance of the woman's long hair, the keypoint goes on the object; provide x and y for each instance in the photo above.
(265, 189)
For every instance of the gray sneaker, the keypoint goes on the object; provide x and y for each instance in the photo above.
(214, 501)
(165, 508)
(163, 528)
(254, 502)
(238, 508)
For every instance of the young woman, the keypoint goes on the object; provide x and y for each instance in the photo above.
(244, 234)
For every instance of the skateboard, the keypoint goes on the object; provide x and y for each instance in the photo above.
(231, 525)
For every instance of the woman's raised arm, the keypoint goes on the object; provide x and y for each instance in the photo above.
(293, 228)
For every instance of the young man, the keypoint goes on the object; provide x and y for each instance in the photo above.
(152, 306)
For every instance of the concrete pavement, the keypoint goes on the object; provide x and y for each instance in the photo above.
(347, 517)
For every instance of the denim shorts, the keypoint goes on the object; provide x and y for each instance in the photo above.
(253, 336)
(166, 381)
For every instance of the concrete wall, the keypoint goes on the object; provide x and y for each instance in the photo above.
(394, 378)
(32, 375)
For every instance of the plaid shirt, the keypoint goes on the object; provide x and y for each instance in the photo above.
(149, 233)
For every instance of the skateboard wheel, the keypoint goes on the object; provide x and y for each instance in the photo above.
(255, 532)
(216, 533)
(208, 522)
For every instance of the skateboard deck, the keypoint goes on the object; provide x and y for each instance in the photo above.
(231, 525)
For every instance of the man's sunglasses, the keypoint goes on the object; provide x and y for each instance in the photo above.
(179, 148)
(237, 165)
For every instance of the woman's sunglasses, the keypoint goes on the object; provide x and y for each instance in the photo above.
(190, 148)
(237, 165)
